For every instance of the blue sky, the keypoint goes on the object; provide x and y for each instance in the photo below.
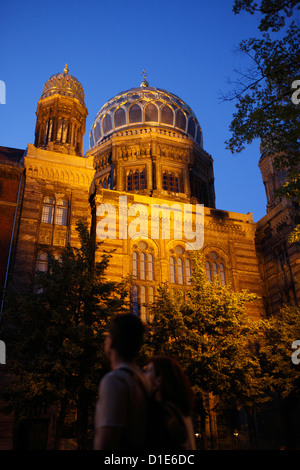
(186, 47)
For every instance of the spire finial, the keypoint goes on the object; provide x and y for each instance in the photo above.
(66, 69)
(144, 82)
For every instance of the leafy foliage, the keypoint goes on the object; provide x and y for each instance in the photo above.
(54, 336)
(213, 336)
(263, 93)
(280, 331)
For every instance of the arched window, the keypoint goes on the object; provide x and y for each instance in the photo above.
(180, 267)
(143, 263)
(167, 115)
(61, 215)
(120, 117)
(54, 212)
(48, 210)
(192, 127)
(215, 267)
(42, 262)
(151, 113)
(107, 123)
(180, 120)
(142, 298)
(135, 114)
(97, 132)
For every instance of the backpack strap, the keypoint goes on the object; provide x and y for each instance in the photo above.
(137, 379)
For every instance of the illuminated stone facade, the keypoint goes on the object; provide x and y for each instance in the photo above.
(145, 147)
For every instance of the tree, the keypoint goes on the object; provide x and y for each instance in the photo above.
(263, 94)
(273, 12)
(280, 332)
(280, 347)
(214, 338)
(54, 335)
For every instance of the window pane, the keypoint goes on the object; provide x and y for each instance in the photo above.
(179, 271)
(191, 128)
(97, 132)
(143, 302)
(222, 275)
(151, 113)
(180, 120)
(129, 181)
(215, 269)
(135, 300)
(42, 262)
(59, 129)
(64, 131)
(151, 295)
(143, 266)
(135, 264)
(120, 118)
(142, 180)
(167, 115)
(135, 114)
(107, 123)
(136, 182)
(61, 212)
(188, 271)
(172, 269)
(165, 181)
(48, 210)
(171, 181)
(150, 267)
(208, 271)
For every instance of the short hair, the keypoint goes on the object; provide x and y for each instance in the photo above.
(127, 333)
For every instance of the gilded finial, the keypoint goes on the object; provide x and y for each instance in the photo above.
(144, 82)
(66, 69)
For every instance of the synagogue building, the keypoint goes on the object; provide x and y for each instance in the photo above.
(146, 186)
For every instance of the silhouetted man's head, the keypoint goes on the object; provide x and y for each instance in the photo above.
(126, 332)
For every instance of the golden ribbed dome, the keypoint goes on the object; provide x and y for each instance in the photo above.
(145, 106)
(64, 84)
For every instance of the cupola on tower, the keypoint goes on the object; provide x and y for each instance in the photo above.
(61, 115)
(148, 141)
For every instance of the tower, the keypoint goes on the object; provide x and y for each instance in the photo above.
(279, 259)
(61, 115)
(58, 178)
